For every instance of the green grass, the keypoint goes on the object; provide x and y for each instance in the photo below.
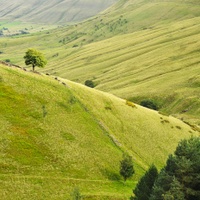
(56, 137)
(136, 50)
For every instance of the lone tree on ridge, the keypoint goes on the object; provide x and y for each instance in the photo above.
(35, 58)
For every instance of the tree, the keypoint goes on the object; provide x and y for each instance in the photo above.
(180, 178)
(126, 167)
(89, 83)
(144, 187)
(35, 58)
(175, 192)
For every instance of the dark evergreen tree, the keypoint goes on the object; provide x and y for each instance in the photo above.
(126, 167)
(144, 187)
(187, 168)
(175, 192)
(162, 184)
(182, 171)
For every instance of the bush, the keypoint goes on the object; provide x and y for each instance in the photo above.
(89, 83)
(75, 45)
(131, 104)
(149, 104)
(7, 60)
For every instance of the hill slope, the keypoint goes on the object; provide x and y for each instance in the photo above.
(54, 11)
(160, 52)
(56, 134)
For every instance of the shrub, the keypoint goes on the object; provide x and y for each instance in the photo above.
(89, 83)
(75, 45)
(7, 60)
(108, 108)
(178, 127)
(149, 104)
(131, 104)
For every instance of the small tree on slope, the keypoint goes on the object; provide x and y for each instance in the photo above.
(126, 167)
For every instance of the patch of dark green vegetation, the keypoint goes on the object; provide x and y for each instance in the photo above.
(90, 83)
(177, 180)
(148, 103)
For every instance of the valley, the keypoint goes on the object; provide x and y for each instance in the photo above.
(136, 61)
(57, 134)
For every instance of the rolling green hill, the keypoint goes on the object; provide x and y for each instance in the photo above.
(57, 135)
(135, 50)
(51, 12)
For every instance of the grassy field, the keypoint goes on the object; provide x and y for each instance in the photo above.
(57, 135)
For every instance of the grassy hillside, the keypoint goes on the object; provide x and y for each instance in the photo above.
(57, 135)
(136, 50)
(51, 12)
(160, 64)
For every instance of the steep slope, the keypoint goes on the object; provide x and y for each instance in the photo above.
(56, 134)
(54, 11)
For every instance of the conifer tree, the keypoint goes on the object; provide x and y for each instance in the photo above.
(175, 192)
(182, 171)
(144, 187)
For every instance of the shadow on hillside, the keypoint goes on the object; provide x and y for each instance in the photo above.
(113, 176)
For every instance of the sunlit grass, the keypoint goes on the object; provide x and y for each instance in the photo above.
(158, 58)
(55, 136)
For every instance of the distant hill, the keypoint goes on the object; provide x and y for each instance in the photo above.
(51, 11)
(57, 135)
